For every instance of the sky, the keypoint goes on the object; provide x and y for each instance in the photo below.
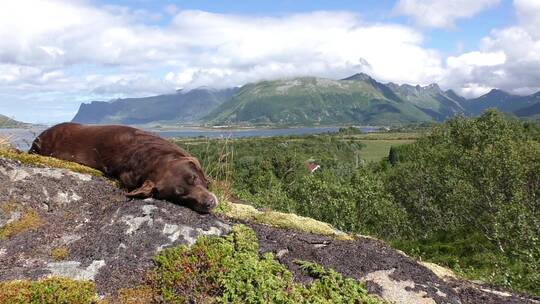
(54, 55)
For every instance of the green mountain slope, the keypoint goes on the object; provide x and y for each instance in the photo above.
(180, 107)
(310, 100)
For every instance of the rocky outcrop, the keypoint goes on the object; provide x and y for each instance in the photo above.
(54, 222)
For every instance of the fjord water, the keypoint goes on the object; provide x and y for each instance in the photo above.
(22, 138)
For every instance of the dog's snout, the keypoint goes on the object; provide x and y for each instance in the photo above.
(211, 202)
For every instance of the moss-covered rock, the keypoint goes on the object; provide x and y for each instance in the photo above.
(38, 160)
(60, 253)
(230, 270)
(279, 219)
(48, 291)
(21, 219)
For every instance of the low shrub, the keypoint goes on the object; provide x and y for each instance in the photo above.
(230, 270)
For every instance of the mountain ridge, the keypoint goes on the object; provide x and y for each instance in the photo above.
(181, 106)
(7, 122)
(358, 98)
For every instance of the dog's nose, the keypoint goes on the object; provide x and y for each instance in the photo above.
(211, 201)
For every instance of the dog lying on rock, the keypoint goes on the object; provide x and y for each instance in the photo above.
(146, 164)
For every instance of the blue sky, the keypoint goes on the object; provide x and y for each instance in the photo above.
(56, 54)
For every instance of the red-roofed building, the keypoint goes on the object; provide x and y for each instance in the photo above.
(312, 166)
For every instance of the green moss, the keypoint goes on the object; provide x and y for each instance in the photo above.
(230, 270)
(29, 220)
(60, 253)
(136, 295)
(279, 219)
(34, 159)
(52, 290)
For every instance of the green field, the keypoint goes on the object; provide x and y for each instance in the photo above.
(377, 149)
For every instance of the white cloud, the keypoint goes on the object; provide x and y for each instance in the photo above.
(528, 12)
(475, 59)
(509, 58)
(72, 51)
(441, 13)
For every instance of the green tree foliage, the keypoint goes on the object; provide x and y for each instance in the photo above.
(271, 173)
(465, 195)
(351, 199)
(476, 176)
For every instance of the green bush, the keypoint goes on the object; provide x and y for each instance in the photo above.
(477, 176)
(230, 270)
(350, 199)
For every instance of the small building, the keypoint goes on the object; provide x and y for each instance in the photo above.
(312, 166)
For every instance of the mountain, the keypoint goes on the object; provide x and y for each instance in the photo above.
(6, 122)
(532, 111)
(500, 100)
(431, 99)
(179, 107)
(358, 99)
(311, 100)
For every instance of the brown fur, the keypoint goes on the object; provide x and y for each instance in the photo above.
(146, 164)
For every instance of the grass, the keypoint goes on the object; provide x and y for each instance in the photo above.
(376, 149)
(29, 220)
(387, 136)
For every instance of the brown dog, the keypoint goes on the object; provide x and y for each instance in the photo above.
(146, 164)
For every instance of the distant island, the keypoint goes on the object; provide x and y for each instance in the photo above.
(305, 101)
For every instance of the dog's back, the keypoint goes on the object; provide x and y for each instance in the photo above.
(107, 148)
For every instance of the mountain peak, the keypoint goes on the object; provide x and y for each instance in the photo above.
(497, 91)
(434, 86)
(359, 76)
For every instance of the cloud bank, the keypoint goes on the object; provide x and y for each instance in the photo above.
(65, 52)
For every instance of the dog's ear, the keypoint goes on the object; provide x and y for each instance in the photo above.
(146, 190)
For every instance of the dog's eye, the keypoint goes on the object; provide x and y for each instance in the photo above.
(192, 179)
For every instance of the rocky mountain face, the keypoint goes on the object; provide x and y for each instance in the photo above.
(357, 99)
(181, 107)
(55, 222)
(431, 99)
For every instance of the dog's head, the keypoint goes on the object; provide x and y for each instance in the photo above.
(180, 181)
